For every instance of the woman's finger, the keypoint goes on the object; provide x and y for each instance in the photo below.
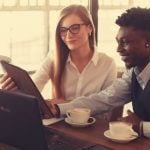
(4, 78)
(12, 86)
(7, 83)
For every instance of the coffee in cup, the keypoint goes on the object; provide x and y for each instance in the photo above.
(79, 115)
(119, 129)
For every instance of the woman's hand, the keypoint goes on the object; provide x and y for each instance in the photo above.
(7, 83)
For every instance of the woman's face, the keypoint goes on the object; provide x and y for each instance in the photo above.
(74, 32)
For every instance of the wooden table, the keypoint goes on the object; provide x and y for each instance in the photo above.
(95, 134)
(7, 147)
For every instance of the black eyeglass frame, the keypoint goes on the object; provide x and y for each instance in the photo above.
(63, 30)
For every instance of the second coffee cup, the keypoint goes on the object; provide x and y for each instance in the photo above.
(79, 115)
(120, 129)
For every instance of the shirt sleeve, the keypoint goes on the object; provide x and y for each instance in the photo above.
(116, 95)
(43, 74)
(146, 129)
(111, 76)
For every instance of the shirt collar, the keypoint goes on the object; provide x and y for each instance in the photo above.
(94, 58)
(69, 59)
(145, 74)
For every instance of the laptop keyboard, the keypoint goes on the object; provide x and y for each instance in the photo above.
(62, 142)
(58, 143)
(98, 147)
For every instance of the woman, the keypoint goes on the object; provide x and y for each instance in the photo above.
(76, 68)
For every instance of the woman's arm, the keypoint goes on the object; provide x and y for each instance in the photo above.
(44, 73)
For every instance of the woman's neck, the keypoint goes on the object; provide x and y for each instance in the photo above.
(81, 57)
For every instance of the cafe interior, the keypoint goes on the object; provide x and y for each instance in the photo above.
(27, 36)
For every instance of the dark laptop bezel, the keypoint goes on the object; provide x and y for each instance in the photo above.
(26, 85)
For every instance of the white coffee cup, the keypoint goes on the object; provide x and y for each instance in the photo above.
(120, 129)
(79, 115)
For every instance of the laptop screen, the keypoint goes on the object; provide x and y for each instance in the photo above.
(20, 122)
(26, 85)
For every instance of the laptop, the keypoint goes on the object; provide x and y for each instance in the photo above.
(27, 86)
(21, 126)
(20, 123)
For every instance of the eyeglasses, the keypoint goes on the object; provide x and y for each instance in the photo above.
(74, 29)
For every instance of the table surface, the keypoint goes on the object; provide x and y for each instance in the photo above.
(95, 133)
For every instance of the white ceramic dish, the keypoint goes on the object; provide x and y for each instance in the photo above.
(92, 120)
(118, 140)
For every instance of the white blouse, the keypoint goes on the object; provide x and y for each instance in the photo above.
(98, 74)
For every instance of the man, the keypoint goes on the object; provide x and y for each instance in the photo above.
(133, 40)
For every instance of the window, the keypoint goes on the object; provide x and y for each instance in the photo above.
(27, 28)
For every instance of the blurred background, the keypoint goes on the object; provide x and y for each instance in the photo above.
(27, 27)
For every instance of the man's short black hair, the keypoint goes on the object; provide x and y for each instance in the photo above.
(136, 17)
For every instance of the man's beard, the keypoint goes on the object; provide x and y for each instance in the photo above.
(128, 66)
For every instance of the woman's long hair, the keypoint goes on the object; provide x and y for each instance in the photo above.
(62, 50)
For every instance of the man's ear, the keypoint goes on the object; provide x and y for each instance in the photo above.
(147, 44)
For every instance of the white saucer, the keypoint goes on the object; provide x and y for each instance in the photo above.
(118, 140)
(92, 120)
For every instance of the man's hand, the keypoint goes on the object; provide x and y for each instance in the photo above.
(134, 119)
(52, 104)
(53, 108)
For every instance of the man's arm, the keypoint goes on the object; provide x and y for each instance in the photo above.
(115, 95)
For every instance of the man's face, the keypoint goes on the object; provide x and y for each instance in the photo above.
(132, 47)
